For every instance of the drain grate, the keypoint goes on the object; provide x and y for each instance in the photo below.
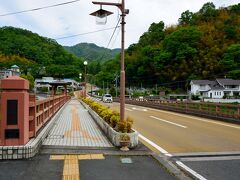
(126, 160)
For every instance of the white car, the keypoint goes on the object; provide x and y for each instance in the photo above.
(107, 98)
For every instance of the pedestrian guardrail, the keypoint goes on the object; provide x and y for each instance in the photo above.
(41, 111)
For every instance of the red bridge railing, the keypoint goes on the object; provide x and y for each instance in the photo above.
(41, 111)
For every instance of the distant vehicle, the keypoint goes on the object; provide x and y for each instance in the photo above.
(107, 98)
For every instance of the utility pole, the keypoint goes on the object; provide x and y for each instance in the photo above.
(116, 86)
(124, 12)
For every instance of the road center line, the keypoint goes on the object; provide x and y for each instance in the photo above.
(190, 170)
(179, 125)
(188, 116)
(198, 119)
(139, 109)
(128, 109)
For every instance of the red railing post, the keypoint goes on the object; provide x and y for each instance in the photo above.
(14, 126)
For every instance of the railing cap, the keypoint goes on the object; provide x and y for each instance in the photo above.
(14, 83)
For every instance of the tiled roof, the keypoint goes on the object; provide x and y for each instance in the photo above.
(216, 87)
(228, 82)
(203, 82)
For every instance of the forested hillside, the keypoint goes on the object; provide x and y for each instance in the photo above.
(203, 45)
(92, 52)
(35, 54)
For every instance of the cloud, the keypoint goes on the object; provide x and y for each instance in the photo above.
(74, 18)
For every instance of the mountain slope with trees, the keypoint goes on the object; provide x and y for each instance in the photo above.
(36, 55)
(203, 45)
(92, 52)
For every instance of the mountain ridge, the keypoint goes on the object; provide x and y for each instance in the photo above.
(91, 52)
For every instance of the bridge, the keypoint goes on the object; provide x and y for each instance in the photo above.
(62, 141)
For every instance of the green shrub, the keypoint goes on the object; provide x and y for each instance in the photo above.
(124, 137)
(122, 126)
(108, 116)
(111, 117)
(129, 124)
(114, 120)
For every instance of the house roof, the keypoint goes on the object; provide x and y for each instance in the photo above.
(203, 82)
(228, 82)
(14, 66)
(216, 87)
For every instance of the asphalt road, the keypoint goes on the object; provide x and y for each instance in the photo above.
(180, 133)
(220, 168)
(203, 148)
(41, 167)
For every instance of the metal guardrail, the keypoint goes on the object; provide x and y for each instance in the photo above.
(211, 110)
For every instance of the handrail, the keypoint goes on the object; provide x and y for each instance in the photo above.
(41, 111)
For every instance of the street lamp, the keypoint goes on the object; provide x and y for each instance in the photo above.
(85, 79)
(103, 14)
(80, 76)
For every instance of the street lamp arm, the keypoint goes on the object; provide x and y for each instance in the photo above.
(120, 6)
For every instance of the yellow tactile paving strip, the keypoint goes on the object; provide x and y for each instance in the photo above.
(75, 127)
(71, 165)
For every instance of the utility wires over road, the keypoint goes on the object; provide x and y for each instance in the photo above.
(39, 8)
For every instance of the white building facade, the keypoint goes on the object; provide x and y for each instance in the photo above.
(14, 71)
(219, 88)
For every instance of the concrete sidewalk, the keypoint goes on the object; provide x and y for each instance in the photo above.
(76, 138)
(76, 128)
(77, 149)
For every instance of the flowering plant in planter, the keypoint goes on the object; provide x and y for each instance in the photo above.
(118, 132)
(111, 117)
(124, 140)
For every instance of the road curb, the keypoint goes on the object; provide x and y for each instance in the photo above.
(173, 169)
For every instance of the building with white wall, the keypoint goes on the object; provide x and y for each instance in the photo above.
(13, 71)
(216, 89)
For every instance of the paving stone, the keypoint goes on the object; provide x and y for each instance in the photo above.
(75, 127)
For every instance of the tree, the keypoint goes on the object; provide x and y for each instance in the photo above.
(231, 58)
(208, 10)
(186, 18)
(30, 78)
(154, 35)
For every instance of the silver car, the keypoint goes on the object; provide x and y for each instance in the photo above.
(107, 98)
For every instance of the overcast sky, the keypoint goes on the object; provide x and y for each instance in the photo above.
(74, 18)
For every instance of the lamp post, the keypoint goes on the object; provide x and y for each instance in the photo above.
(103, 14)
(80, 76)
(85, 79)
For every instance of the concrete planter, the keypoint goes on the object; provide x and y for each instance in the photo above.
(112, 135)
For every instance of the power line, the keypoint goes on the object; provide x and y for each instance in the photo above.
(113, 32)
(40, 8)
(91, 32)
(111, 37)
(114, 41)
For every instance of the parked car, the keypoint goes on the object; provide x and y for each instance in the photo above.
(107, 98)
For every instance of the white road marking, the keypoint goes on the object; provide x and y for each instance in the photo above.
(225, 158)
(128, 109)
(139, 109)
(198, 119)
(163, 151)
(190, 170)
(179, 125)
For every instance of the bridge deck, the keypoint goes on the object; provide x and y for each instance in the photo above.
(75, 127)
